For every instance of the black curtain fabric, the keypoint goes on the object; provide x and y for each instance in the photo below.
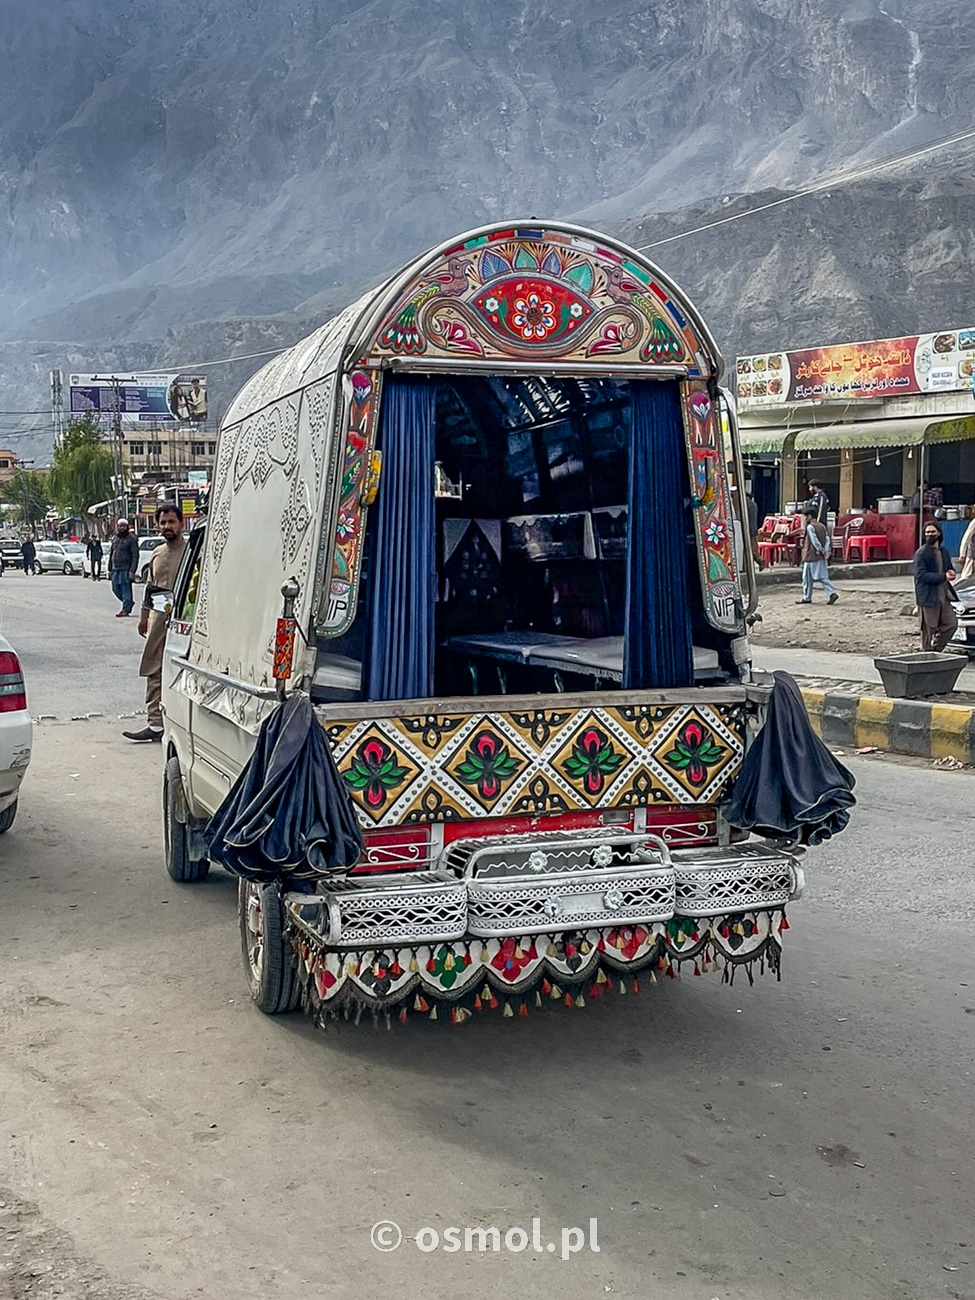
(791, 786)
(657, 630)
(403, 566)
(288, 816)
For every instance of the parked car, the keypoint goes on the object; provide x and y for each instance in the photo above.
(59, 557)
(11, 553)
(16, 733)
(964, 639)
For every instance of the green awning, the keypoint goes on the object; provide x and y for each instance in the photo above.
(762, 442)
(869, 433)
(959, 429)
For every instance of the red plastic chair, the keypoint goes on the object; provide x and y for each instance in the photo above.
(863, 543)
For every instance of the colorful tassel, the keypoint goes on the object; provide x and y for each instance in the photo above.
(477, 1002)
(568, 1000)
(636, 986)
(433, 1014)
(420, 1003)
(546, 987)
(507, 1012)
(523, 1011)
(601, 977)
(580, 1001)
(556, 993)
(414, 965)
(538, 998)
(404, 1015)
(622, 989)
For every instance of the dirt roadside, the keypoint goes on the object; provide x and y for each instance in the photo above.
(865, 620)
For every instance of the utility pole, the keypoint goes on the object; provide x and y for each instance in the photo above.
(57, 406)
(118, 472)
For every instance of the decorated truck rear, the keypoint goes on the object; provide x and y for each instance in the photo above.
(458, 678)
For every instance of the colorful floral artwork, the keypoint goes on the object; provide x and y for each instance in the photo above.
(439, 768)
(723, 599)
(695, 752)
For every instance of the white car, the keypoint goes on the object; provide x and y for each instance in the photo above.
(16, 733)
(59, 557)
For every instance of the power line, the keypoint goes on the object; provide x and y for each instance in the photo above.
(830, 183)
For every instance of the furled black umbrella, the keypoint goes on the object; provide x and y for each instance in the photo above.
(791, 786)
(288, 815)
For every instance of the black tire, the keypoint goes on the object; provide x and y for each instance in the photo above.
(7, 817)
(67, 569)
(268, 957)
(37, 569)
(179, 864)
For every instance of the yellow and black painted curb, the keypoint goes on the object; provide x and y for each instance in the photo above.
(916, 727)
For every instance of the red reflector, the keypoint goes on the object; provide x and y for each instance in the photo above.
(9, 663)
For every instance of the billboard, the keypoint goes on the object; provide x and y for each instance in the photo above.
(154, 399)
(914, 364)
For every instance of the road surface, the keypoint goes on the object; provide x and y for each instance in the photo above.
(163, 1139)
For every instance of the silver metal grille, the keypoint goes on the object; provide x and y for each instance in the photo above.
(711, 882)
(420, 907)
(632, 895)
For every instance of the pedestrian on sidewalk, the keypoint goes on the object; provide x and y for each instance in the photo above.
(123, 562)
(934, 572)
(95, 554)
(153, 621)
(815, 558)
(819, 501)
(29, 553)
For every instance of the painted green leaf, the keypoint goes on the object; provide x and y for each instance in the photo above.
(581, 276)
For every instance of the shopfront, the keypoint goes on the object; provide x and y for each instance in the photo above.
(871, 422)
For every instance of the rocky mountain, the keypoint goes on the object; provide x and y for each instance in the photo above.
(183, 181)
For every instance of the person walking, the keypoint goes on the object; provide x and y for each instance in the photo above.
(153, 621)
(29, 553)
(123, 562)
(934, 572)
(815, 558)
(819, 501)
(95, 554)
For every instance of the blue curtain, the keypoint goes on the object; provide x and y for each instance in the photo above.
(402, 580)
(657, 631)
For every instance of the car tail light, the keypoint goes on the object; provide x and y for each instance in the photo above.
(13, 693)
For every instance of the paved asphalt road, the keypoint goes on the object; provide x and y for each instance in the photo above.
(160, 1138)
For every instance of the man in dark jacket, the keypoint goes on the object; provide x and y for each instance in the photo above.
(934, 572)
(123, 561)
(94, 549)
(29, 552)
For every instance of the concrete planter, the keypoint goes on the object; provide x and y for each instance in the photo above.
(912, 676)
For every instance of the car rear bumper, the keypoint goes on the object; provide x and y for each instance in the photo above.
(16, 739)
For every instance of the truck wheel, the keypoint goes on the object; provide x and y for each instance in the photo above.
(269, 961)
(7, 817)
(179, 864)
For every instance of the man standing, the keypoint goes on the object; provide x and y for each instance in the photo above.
(95, 553)
(819, 501)
(933, 574)
(152, 623)
(815, 558)
(29, 552)
(123, 562)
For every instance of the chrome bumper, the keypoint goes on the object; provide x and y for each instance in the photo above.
(547, 885)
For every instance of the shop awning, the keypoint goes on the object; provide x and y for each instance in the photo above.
(762, 442)
(909, 432)
(870, 433)
(958, 429)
